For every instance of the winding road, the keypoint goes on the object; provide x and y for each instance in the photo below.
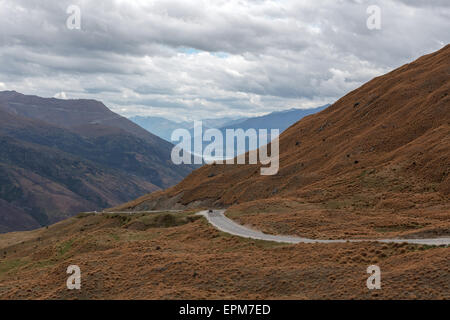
(222, 223)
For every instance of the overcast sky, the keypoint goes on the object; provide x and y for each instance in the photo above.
(197, 59)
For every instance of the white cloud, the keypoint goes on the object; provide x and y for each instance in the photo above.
(200, 59)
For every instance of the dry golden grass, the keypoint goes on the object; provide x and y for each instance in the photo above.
(194, 261)
(385, 145)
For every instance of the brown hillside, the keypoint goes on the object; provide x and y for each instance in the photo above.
(384, 147)
(181, 256)
(60, 157)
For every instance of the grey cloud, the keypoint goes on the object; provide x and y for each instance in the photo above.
(154, 57)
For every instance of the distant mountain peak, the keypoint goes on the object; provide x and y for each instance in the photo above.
(60, 157)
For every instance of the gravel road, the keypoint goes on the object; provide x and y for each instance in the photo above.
(221, 222)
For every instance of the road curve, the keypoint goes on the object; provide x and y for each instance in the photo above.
(221, 222)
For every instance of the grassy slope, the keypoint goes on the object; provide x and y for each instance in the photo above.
(178, 256)
(377, 159)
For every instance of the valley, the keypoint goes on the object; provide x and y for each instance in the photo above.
(364, 182)
(60, 157)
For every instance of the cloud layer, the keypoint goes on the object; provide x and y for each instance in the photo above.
(200, 59)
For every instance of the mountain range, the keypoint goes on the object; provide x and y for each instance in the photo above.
(163, 127)
(279, 120)
(374, 165)
(380, 155)
(60, 157)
